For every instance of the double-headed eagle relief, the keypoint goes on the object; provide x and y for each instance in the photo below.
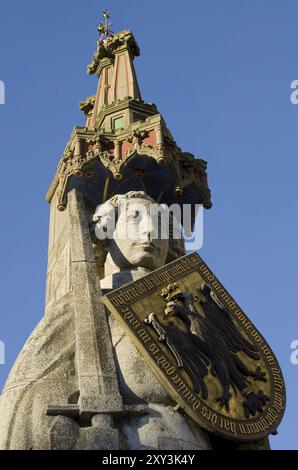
(206, 352)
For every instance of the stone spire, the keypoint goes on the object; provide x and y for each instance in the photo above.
(113, 64)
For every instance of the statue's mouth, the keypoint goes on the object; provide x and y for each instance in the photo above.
(148, 246)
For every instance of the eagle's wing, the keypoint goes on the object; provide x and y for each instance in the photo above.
(185, 348)
(220, 319)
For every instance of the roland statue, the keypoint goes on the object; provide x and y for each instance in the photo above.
(131, 241)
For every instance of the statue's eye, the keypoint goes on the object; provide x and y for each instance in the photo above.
(133, 214)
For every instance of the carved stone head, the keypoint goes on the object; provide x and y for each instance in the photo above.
(127, 235)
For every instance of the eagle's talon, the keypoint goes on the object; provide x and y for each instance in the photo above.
(259, 374)
(254, 402)
(224, 401)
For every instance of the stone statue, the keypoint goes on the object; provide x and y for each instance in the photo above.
(125, 260)
(45, 372)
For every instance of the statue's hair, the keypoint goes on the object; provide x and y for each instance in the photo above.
(101, 247)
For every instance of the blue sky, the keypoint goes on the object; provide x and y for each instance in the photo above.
(220, 73)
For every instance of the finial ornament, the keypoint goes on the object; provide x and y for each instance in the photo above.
(104, 27)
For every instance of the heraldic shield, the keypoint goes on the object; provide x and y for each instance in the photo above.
(206, 352)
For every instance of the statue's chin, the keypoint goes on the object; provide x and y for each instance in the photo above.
(148, 262)
(122, 277)
(146, 258)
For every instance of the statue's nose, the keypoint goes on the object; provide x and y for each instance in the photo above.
(146, 229)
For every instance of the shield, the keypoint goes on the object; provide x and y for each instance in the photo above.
(208, 355)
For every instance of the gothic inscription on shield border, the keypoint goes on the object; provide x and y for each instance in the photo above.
(206, 352)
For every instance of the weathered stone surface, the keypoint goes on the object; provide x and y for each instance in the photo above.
(69, 351)
(59, 256)
(96, 371)
(101, 436)
(164, 429)
(44, 373)
(64, 433)
(97, 375)
(138, 384)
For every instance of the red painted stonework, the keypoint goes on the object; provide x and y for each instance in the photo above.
(151, 139)
(126, 146)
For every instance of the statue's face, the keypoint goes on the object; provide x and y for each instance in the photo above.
(136, 237)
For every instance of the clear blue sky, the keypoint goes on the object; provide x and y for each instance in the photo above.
(220, 73)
